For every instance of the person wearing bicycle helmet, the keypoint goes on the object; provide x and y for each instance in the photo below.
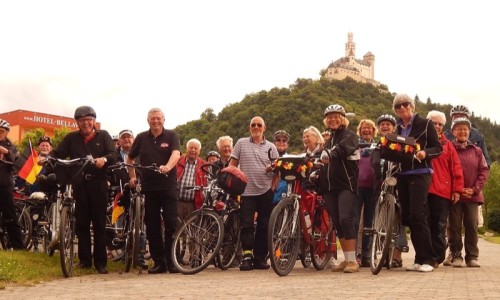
(44, 146)
(447, 183)
(415, 177)
(475, 136)
(464, 214)
(8, 154)
(280, 139)
(212, 157)
(338, 182)
(91, 189)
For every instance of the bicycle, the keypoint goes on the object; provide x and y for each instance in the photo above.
(386, 225)
(62, 223)
(290, 226)
(133, 227)
(198, 241)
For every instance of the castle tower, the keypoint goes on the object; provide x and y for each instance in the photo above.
(350, 46)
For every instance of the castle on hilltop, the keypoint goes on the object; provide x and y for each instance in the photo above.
(361, 70)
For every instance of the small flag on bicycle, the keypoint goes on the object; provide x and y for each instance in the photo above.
(117, 209)
(30, 169)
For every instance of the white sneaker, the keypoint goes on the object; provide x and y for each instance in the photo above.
(448, 261)
(426, 268)
(414, 267)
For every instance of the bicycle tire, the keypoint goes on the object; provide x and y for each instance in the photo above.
(136, 230)
(128, 236)
(67, 241)
(197, 241)
(305, 256)
(24, 221)
(230, 243)
(47, 234)
(383, 228)
(283, 236)
(321, 238)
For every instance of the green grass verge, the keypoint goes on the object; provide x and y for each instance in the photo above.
(28, 268)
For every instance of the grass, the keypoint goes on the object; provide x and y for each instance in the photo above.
(28, 268)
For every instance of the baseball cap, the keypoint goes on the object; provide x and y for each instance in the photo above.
(125, 131)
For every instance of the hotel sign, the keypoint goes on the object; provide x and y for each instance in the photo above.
(53, 121)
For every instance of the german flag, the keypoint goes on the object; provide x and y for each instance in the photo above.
(30, 169)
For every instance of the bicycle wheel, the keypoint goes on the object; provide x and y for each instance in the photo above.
(136, 230)
(231, 241)
(305, 256)
(321, 238)
(67, 241)
(284, 236)
(48, 228)
(197, 241)
(382, 236)
(24, 221)
(129, 239)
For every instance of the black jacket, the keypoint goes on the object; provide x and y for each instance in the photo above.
(6, 171)
(425, 134)
(341, 173)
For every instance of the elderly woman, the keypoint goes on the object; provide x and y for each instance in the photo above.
(446, 185)
(313, 143)
(475, 169)
(339, 183)
(365, 206)
(414, 179)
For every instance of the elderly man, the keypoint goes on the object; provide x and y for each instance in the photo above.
(189, 173)
(158, 146)
(92, 193)
(280, 139)
(225, 146)
(251, 154)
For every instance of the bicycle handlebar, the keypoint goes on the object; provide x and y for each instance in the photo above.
(122, 165)
(70, 162)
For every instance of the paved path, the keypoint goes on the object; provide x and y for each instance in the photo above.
(443, 283)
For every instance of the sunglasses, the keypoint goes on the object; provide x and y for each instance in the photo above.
(256, 125)
(281, 140)
(405, 105)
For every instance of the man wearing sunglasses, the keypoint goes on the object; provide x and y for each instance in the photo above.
(253, 155)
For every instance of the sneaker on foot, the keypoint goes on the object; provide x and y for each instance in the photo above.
(426, 268)
(340, 267)
(246, 263)
(473, 263)
(458, 262)
(352, 267)
(414, 267)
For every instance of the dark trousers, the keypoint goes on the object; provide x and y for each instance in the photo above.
(412, 191)
(366, 203)
(91, 201)
(161, 204)
(438, 217)
(464, 213)
(255, 237)
(10, 218)
(341, 205)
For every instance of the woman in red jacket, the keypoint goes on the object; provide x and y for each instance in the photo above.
(447, 184)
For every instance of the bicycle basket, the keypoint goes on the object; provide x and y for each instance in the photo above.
(232, 180)
(398, 148)
(292, 167)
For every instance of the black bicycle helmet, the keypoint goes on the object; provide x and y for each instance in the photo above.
(460, 109)
(213, 153)
(386, 117)
(335, 108)
(44, 139)
(84, 111)
(5, 125)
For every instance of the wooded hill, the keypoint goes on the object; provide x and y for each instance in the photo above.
(302, 104)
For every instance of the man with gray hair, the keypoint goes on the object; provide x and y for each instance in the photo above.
(225, 146)
(189, 173)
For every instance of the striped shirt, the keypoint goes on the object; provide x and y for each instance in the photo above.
(253, 159)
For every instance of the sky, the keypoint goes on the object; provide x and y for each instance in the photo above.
(126, 57)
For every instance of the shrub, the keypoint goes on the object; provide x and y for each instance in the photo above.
(494, 220)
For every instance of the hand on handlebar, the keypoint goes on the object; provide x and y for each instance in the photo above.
(132, 182)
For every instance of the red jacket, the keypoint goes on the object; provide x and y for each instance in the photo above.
(199, 178)
(448, 175)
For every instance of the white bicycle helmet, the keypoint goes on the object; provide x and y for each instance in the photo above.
(460, 120)
(4, 124)
(335, 108)
(460, 109)
(386, 117)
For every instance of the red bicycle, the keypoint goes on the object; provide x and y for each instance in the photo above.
(299, 221)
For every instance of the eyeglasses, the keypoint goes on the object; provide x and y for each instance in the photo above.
(253, 125)
(281, 140)
(405, 105)
(437, 124)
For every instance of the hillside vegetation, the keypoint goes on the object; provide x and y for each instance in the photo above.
(302, 105)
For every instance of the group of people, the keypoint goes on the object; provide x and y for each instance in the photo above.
(439, 186)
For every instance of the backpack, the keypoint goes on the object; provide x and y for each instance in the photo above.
(232, 180)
